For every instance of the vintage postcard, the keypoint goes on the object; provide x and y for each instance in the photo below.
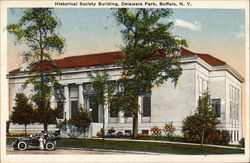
(124, 81)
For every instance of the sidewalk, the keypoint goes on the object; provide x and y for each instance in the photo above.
(60, 150)
(171, 142)
(114, 151)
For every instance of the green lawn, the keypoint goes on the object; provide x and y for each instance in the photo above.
(143, 146)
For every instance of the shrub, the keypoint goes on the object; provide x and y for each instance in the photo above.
(203, 122)
(111, 130)
(169, 129)
(242, 142)
(56, 133)
(142, 135)
(77, 125)
(156, 130)
(99, 134)
(119, 134)
(225, 137)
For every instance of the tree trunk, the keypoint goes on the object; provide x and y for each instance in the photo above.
(202, 136)
(25, 129)
(135, 125)
(103, 123)
(84, 131)
(7, 126)
(45, 126)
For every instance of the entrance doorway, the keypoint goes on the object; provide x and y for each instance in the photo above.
(95, 112)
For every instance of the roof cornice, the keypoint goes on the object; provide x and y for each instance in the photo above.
(229, 69)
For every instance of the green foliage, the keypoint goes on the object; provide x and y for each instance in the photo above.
(37, 28)
(125, 99)
(7, 126)
(46, 115)
(151, 55)
(102, 91)
(225, 137)
(202, 124)
(242, 142)
(23, 112)
(111, 130)
(81, 118)
(151, 52)
(102, 88)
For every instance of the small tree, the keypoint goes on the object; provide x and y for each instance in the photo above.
(203, 122)
(102, 91)
(23, 112)
(81, 120)
(77, 125)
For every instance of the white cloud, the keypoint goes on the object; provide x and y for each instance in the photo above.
(196, 26)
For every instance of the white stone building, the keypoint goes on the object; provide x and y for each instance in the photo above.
(166, 104)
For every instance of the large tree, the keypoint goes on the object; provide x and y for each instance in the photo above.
(203, 122)
(151, 54)
(37, 28)
(23, 112)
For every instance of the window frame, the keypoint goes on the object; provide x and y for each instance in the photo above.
(146, 106)
(215, 106)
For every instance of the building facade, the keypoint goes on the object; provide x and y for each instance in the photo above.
(166, 104)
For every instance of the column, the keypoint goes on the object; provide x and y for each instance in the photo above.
(66, 103)
(121, 117)
(140, 109)
(106, 111)
(53, 102)
(80, 96)
(106, 114)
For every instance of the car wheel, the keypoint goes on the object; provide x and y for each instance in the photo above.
(14, 145)
(50, 146)
(21, 145)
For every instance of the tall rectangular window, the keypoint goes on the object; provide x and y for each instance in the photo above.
(60, 106)
(203, 86)
(95, 111)
(200, 87)
(234, 102)
(113, 113)
(231, 109)
(237, 105)
(74, 107)
(216, 104)
(146, 103)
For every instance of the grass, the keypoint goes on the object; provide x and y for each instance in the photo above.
(143, 146)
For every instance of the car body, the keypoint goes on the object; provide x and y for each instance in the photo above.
(45, 141)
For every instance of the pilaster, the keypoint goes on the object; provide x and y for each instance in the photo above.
(66, 103)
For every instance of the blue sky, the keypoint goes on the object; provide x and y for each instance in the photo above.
(219, 32)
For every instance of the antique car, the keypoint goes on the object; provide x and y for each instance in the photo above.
(47, 141)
